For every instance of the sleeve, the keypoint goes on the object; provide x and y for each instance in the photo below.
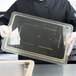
(5, 19)
(71, 15)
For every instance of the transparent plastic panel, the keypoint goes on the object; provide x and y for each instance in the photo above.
(38, 38)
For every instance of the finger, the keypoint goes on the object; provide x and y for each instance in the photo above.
(71, 40)
(73, 37)
(68, 38)
(70, 48)
(4, 33)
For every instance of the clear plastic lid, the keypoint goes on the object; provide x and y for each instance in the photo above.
(38, 38)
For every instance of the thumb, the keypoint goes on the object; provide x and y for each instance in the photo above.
(71, 47)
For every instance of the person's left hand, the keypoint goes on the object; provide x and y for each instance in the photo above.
(71, 42)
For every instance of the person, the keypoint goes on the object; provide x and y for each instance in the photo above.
(58, 10)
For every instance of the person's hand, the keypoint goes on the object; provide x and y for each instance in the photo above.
(71, 42)
(4, 30)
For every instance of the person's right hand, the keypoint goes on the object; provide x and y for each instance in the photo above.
(4, 30)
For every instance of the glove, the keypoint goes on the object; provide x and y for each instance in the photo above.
(71, 42)
(4, 30)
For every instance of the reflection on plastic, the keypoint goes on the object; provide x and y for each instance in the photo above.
(15, 37)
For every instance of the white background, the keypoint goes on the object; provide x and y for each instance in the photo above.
(73, 3)
(5, 4)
